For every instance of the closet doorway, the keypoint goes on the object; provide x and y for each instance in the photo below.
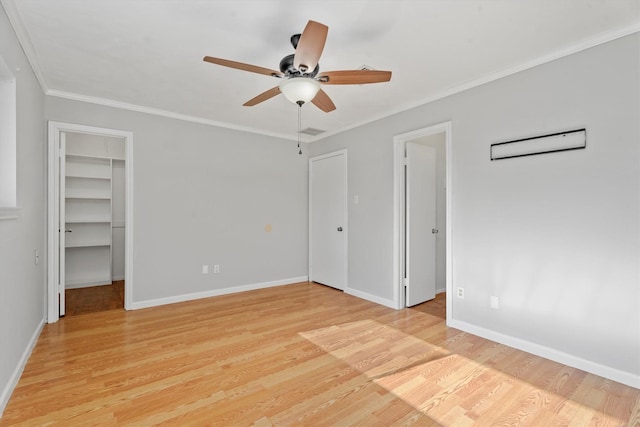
(90, 211)
(422, 216)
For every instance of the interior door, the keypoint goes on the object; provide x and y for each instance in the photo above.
(62, 230)
(327, 219)
(420, 224)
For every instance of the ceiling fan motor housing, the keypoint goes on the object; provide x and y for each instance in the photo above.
(287, 68)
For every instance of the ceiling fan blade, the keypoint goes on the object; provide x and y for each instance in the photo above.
(354, 77)
(310, 46)
(323, 102)
(268, 94)
(243, 66)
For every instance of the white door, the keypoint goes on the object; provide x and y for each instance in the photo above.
(62, 225)
(327, 219)
(420, 223)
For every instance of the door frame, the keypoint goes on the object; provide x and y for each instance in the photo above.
(53, 211)
(343, 154)
(399, 143)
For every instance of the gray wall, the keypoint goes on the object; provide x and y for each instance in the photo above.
(203, 195)
(22, 283)
(556, 236)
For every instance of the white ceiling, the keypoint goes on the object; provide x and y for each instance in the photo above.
(147, 54)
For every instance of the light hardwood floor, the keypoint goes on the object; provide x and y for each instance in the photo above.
(301, 354)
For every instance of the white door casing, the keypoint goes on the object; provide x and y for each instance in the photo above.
(328, 219)
(399, 211)
(55, 222)
(420, 224)
(62, 229)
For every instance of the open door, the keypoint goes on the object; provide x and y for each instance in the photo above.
(420, 224)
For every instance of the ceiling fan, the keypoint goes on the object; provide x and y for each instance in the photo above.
(300, 72)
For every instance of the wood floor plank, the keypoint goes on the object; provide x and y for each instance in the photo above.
(301, 354)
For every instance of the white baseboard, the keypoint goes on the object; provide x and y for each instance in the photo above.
(370, 297)
(17, 372)
(441, 291)
(623, 377)
(86, 285)
(216, 292)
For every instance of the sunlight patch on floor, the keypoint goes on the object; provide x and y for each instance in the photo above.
(450, 388)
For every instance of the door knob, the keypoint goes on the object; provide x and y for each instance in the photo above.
(339, 228)
(434, 230)
(68, 231)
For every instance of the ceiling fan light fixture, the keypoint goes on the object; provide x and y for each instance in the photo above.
(300, 89)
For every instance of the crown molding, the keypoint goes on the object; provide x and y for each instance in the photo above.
(163, 113)
(25, 41)
(578, 47)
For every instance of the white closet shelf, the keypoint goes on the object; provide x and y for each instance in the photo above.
(81, 197)
(87, 220)
(92, 156)
(106, 178)
(87, 244)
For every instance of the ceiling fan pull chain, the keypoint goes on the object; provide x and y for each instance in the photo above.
(299, 126)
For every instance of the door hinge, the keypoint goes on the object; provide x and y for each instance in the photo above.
(405, 282)
(60, 288)
(405, 161)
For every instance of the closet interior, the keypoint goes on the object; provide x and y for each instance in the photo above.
(94, 210)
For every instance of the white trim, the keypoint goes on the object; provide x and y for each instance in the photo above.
(399, 142)
(343, 153)
(578, 47)
(54, 129)
(92, 283)
(164, 113)
(17, 372)
(25, 41)
(370, 297)
(53, 238)
(216, 292)
(586, 44)
(398, 223)
(632, 380)
(9, 213)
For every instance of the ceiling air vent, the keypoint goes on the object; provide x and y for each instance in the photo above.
(312, 131)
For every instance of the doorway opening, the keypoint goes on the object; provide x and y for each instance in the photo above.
(422, 216)
(90, 214)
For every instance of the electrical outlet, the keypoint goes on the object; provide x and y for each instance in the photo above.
(205, 269)
(460, 293)
(216, 268)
